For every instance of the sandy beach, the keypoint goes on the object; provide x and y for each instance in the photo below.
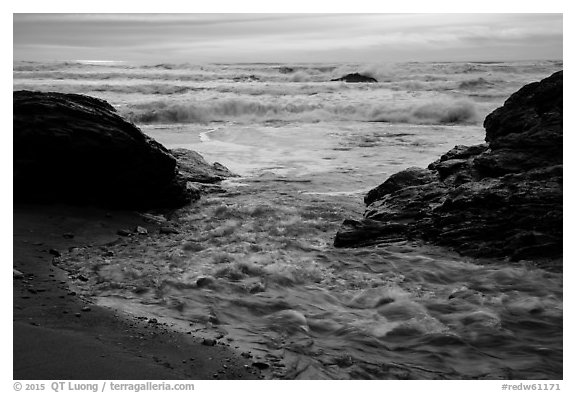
(60, 335)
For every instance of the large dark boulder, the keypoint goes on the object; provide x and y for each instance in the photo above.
(75, 148)
(355, 78)
(501, 199)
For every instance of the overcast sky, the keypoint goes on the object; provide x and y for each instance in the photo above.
(202, 38)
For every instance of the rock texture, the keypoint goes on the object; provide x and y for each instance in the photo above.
(501, 199)
(75, 148)
(355, 78)
(193, 167)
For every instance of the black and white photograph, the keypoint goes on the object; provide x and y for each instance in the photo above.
(287, 196)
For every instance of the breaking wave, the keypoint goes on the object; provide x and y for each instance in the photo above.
(438, 111)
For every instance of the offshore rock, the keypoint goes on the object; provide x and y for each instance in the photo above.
(355, 78)
(75, 148)
(501, 199)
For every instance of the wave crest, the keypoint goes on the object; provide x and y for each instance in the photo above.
(438, 111)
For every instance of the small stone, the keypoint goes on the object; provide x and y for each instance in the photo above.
(17, 274)
(209, 342)
(246, 355)
(77, 315)
(168, 231)
(108, 253)
(152, 320)
(203, 282)
(54, 252)
(260, 365)
(86, 309)
(141, 230)
(124, 232)
(68, 235)
(82, 278)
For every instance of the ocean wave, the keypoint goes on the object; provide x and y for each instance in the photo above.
(436, 111)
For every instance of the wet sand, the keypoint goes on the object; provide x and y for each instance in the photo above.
(59, 334)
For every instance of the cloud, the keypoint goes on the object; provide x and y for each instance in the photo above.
(280, 37)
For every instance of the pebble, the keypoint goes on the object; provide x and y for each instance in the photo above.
(17, 274)
(209, 342)
(202, 282)
(141, 230)
(124, 232)
(68, 235)
(54, 252)
(86, 309)
(168, 230)
(78, 315)
(260, 365)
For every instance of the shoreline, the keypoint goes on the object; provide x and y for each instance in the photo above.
(61, 335)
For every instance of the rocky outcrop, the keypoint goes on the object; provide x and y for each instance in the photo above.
(75, 148)
(194, 168)
(501, 199)
(355, 78)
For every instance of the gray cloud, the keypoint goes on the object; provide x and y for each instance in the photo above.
(286, 37)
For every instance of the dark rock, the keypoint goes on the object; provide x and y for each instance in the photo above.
(68, 235)
(54, 252)
(501, 199)
(169, 230)
(75, 148)
(194, 168)
(260, 365)
(285, 70)
(209, 342)
(204, 282)
(124, 232)
(355, 78)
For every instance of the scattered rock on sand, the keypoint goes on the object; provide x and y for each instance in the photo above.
(54, 252)
(124, 232)
(209, 342)
(260, 365)
(169, 230)
(141, 230)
